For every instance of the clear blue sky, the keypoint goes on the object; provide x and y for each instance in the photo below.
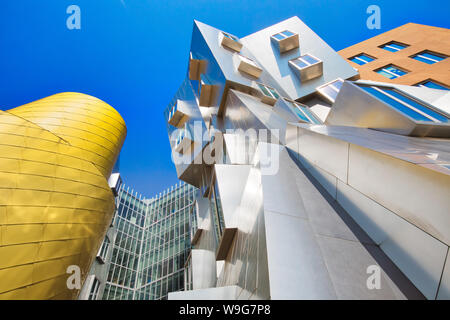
(133, 54)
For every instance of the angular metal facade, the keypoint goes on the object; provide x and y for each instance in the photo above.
(56, 155)
(289, 207)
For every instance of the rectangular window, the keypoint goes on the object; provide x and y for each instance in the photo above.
(94, 290)
(303, 112)
(393, 46)
(229, 36)
(432, 84)
(361, 59)
(104, 249)
(429, 57)
(305, 61)
(283, 35)
(331, 89)
(406, 105)
(268, 91)
(391, 71)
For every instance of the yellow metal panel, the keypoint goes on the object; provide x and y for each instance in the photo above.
(26, 233)
(49, 269)
(55, 204)
(18, 254)
(17, 215)
(15, 277)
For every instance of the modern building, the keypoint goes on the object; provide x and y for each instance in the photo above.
(312, 185)
(56, 156)
(144, 254)
(412, 54)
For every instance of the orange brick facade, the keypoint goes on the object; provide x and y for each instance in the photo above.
(418, 38)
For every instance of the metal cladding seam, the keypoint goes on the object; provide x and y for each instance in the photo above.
(55, 203)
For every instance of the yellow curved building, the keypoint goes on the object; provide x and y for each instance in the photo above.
(55, 203)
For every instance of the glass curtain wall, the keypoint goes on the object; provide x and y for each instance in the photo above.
(151, 246)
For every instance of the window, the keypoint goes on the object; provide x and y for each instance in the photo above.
(249, 66)
(391, 71)
(412, 108)
(304, 61)
(428, 57)
(229, 36)
(104, 250)
(283, 35)
(285, 40)
(268, 91)
(307, 66)
(270, 95)
(393, 46)
(231, 42)
(176, 117)
(331, 89)
(303, 112)
(361, 59)
(94, 289)
(432, 84)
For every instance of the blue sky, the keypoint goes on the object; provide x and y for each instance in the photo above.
(133, 54)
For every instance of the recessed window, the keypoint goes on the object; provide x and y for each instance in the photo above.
(270, 95)
(303, 112)
(391, 71)
(331, 89)
(432, 84)
(229, 36)
(393, 46)
(249, 66)
(429, 57)
(231, 42)
(412, 108)
(177, 117)
(361, 59)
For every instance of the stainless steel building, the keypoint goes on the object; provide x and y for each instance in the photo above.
(313, 185)
(145, 251)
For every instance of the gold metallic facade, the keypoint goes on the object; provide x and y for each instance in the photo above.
(55, 203)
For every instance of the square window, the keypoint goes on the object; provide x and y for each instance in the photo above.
(393, 46)
(428, 57)
(361, 59)
(391, 71)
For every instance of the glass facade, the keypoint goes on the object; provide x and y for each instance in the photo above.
(151, 245)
